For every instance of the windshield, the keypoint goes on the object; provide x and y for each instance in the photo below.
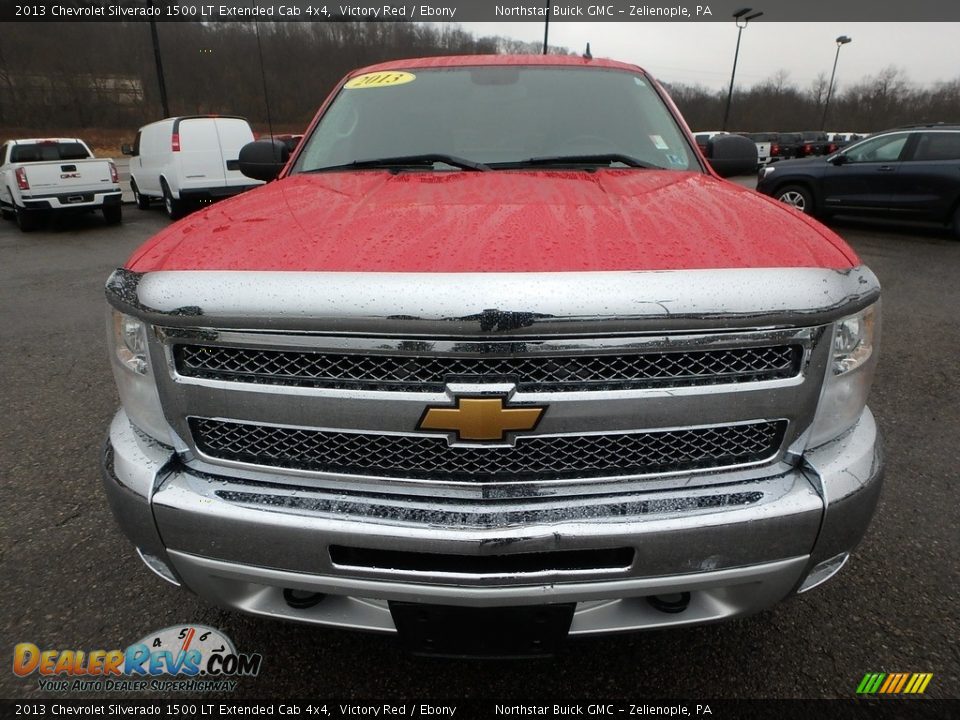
(502, 115)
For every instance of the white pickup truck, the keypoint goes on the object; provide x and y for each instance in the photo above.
(40, 176)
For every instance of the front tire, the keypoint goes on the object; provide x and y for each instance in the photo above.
(112, 214)
(797, 197)
(173, 206)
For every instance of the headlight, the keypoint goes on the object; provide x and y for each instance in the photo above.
(853, 340)
(129, 353)
(854, 350)
(130, 342)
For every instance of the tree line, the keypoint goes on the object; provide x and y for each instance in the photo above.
(89, 75)
(81, 75)
(887, 99)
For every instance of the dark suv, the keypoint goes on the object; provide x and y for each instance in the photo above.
(911, 173)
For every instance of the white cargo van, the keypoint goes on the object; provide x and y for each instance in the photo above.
(188, 160)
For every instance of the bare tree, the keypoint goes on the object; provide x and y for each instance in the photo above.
(819, 88)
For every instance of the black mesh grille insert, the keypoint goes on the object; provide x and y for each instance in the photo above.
(428, 373)
(530, 459)
(550, 561)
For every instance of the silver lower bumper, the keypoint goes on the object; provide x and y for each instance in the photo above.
(737, 548)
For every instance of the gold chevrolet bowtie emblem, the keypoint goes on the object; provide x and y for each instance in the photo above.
(480, 418)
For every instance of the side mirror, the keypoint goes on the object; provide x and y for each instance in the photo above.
(263, 159)
(126, 149)
(731, 155)
(839, 159)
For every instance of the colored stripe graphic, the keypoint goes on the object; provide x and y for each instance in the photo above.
(894, 683)
(862, 687)
(900, 683)
(891, 680)
(870, 683)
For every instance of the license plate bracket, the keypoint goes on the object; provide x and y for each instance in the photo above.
(468, 632)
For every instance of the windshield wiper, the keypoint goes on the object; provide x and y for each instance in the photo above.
(593, 159)
(409, 160)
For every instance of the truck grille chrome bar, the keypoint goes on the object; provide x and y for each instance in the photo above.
(532, 458)
(425, 373)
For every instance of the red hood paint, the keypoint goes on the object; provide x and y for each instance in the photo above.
(502, 221)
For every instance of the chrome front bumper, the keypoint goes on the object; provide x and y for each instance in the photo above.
(737, 547)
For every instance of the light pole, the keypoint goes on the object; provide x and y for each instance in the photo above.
(841, 41)
(741, 17)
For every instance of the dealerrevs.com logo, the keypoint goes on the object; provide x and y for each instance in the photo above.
(191, 658)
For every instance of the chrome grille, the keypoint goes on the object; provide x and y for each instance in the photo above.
(429, 373)
(532, 458)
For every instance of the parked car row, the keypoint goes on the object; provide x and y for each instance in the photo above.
(909, 173)
(775, 146)
(182, 161)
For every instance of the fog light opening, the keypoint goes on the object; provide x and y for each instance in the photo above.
(670, 603)
(823, 571)
(301, 599)
(158, 567)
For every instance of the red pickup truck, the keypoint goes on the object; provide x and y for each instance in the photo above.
(496, 358)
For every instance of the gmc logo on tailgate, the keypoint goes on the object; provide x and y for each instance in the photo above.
(68, 176)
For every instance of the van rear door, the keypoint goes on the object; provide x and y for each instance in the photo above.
(234, 133)
(201, 162)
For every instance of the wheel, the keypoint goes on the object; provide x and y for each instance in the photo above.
(28, 220)
(797, 197)
(173, 206)
(112, 214)
(143, 202)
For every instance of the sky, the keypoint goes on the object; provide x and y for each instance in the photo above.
(702, 53)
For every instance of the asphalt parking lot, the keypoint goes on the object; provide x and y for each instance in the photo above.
(71, 580)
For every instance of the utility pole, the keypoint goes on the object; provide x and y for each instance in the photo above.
(159, 63)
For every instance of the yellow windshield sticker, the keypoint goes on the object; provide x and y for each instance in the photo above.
(380, 79)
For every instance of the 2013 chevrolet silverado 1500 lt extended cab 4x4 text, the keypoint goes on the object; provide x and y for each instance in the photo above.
(498, 359)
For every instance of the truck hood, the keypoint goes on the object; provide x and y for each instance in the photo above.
(502, 221)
